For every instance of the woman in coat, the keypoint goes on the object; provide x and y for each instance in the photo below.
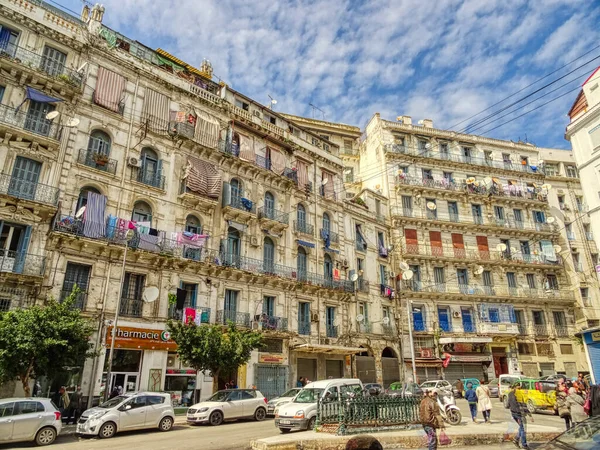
(564, 411)
(576, 401)
(484, 402)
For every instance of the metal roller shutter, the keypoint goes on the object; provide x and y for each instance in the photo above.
(271, 380)
(530, 370)
(424, 373)
(365, 368)
(334, 368)
(457, 371)
(391, 371)
(594, 353)
(307, 368)
(547, 369)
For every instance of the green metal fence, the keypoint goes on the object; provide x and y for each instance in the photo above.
(368, 414)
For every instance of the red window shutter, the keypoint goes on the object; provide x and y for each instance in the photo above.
(457, 240)
(412, 242)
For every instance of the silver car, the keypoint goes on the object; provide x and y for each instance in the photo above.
(29, 419)
(131, 411)
(284, 398)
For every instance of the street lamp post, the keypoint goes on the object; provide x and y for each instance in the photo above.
(410, 338)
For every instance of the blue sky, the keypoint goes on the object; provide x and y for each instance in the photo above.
(444, 60)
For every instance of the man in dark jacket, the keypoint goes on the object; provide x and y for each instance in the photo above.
(518, 412)
(471, 398)
(429, 412)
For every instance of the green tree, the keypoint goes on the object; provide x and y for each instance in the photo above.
(211, 348)
(42, 340)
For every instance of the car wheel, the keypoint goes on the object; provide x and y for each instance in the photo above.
(311, 423)
(107, 430)
(260, 414)
(45, 436)
(284, 430)
(531, 406)
(216, 418)
(166, 424)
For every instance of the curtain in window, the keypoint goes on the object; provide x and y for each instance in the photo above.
(328, 188)
(277, 161)
(109, 90)
(302, 170)
(246, 149)
(155, 111)
(203, 178)
(207, 130)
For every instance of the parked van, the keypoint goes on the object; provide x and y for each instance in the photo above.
(301, 413)
(505, 381)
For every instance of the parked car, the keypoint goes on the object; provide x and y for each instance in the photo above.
(493, 387)
(582, 436)
(284, 398)
(373, 389)
(398, 389)
(130, 411)
(229, 404)
(505, 381)
(554, 377)
(436, 385)
(301, 413)
(29, 419)
(536, 394)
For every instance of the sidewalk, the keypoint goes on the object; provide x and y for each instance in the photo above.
(465, 434)
(69, 430)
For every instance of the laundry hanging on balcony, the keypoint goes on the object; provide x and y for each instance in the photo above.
(37, 96)
(207, 129)
(94, 216)
(203, 178)
(302, 170)
(246, 149)
(325, 235)
(548, 251)
(190, 239)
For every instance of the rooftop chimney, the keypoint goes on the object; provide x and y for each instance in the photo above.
(406, 120)
(428, 123)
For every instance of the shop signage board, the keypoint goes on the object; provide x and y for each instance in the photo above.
(596, 336)
(141, 339)
(269, 358)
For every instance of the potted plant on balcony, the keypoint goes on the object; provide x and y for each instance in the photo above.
(100, 159)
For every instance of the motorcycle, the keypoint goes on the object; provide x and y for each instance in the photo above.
(448, 409)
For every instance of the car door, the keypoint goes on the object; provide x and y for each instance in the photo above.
(132, 414)
(155, 405)
(249, 402)
(234, 406)
(28, 417)
(6, 421)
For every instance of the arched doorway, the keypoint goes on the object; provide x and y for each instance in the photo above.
(389, 366)
(365, 367)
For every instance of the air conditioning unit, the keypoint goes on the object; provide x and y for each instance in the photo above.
(314, 317)
(257, 114)
(345, 263)
(134, 162)
(456, 314)
(254, 241)
(426, 353)
(256, 325)
(392, 275)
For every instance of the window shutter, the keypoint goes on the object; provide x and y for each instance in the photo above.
(226, 194)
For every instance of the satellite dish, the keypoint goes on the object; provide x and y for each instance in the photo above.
(546, 186)
(52, 115)
(408, 274)
(403, 266)
(390, 248)
(501, 247)
(488, 181)
(82, 67)
(150, 294)
(386, 320)
(557, 248)
(274, 101)
(79, 213)
(428, 146)
(324, 181)
(432, 206)
(478, 270)
(550, 219)
(476, 183)
(470, 180)
(354, 277)
(73, 122)
(513, 250)
(360, 318)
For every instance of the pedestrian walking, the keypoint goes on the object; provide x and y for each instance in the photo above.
(460, 387)
(63, 402)
(518, 413)
(76, 405)
(583, 382)
(484, 401)
(576, 401)
(429, 412)
(471, 398)
(562, 405)
(300, 382)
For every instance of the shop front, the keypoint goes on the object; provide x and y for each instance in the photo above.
(466, 357)
(591, 341)
(320, 362)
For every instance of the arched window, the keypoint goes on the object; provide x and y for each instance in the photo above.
(268, 255)
(326, 222)
(142, 212)
(301, 216)
(99, 143)
(301, 263)
(328, 267)
(236, 188)
(83, 196)
(193, 225)
(269, 205)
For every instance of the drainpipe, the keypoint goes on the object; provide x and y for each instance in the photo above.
(316, 234)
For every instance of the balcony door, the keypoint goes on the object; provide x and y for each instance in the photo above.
(467, 320)
(269, 205)
(14, 240)
(268, 255)
(301, 264)
(36, 121)
(25, 177)
(53, 61)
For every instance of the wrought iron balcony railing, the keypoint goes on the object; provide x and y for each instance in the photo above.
(273, 214)
(304, 227)
(29, 122)
(28, 190)
(540, 329)
(97, 161)
(22, 263)
(224, 316)
(272, 323)
(562, 331)
(332, 331)
(80, 299)
(333, 237)
(364, 326)
(241, 203)
(469, 328)
(132, 307)
(304, 327)
(147, 177)
(177, 314)
(363, 285)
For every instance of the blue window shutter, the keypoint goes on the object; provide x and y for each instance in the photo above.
(226, 194)
(194, 296)
(22, 253)
(159, 169)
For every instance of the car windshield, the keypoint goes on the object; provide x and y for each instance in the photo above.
(220, 396)
(429, 384)
(583, 436)
(508, 380)
(308, 395)
(290, 393)
(113, 402)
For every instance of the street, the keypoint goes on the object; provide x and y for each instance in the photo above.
(238, 435)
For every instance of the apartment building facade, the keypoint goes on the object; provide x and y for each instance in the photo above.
(488, 290)
(117, 155)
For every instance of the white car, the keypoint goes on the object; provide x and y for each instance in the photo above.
(131, 411)
(29, 419)
(229, 404)
(284, 398)
(436, 386)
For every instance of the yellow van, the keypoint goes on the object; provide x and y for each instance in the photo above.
(536, 394)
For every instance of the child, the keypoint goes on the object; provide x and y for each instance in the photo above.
(471, 398)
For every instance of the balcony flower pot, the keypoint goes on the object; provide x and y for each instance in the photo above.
(100, 159)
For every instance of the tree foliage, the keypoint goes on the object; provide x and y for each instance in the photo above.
(42, 340)
(211, 348)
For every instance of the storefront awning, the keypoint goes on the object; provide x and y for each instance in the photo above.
(330, 349)
(470, 358)
(466, 340)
